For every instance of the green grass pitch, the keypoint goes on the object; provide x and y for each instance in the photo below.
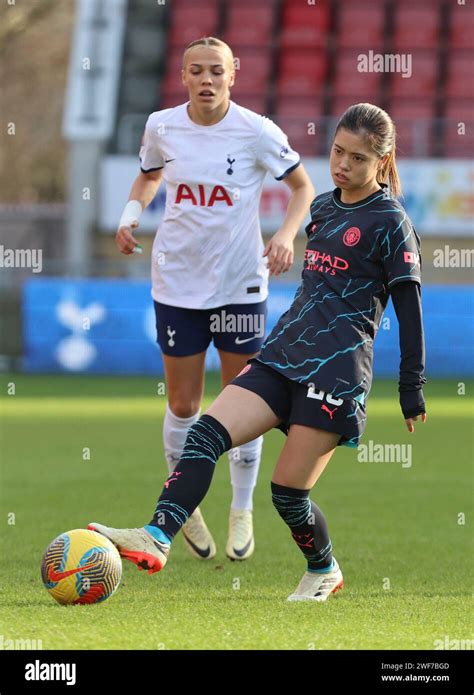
(396, 530)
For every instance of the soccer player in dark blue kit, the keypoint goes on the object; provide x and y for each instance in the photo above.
(313, 373)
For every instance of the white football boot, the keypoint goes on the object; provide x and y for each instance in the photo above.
(198, 538)
(136, 545)
(240, 542)
(318, 586)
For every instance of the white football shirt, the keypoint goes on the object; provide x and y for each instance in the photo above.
(208, 247)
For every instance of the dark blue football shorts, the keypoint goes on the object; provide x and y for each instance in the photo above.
(238, 328)
(301, 404)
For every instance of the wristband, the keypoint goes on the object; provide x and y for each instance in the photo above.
(131, 214)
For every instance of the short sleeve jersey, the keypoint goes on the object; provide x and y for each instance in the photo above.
(208, 250)
(355, 254)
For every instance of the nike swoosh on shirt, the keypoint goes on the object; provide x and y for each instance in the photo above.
(54, 576)
(169, 160)
(239, 341)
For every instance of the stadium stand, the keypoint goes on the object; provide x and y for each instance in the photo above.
(299, 64)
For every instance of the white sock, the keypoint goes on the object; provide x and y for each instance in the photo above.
(244, 462)
(175, 430)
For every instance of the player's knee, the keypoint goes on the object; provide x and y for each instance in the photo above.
(290, 503)
(183, 407)
(206, 439)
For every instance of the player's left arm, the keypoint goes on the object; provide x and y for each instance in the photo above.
(280, 248)
(406, 298)
(400, 252)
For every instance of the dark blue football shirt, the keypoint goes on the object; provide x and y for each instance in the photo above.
(355, 254)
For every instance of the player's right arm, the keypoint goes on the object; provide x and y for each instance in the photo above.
(143, 191)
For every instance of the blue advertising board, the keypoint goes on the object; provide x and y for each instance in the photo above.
(108, 327)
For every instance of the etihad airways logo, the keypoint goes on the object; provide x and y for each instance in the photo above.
(200, 197)
(324, 262)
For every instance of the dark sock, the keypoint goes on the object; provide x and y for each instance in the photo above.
(307, 525)
(188, 484)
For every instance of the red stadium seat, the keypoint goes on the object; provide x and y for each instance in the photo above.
(339, 104)
(361, 26)
(461, 30)
(411, 108)
(305, 107)
(419, 3)
(304, 142)
(172, 78)
(253, 71)
(189, 23)
(456, 143)
(170, 99)
(300, 119)
(301, 72)
(249, 24)
(423, 79)
(305, 26)
(185, 4)
(460, 110)
(460, 80)
(416, 27)
(361, 86)
(415, 126)
(254, 102)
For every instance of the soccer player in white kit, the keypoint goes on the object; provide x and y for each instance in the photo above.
(209, 265)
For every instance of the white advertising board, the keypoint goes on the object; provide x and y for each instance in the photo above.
(438, 194)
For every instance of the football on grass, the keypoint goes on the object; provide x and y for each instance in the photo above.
(81, 566)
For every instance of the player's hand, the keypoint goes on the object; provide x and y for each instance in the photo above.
(279, 252)
(411, 420)
(125, 240)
